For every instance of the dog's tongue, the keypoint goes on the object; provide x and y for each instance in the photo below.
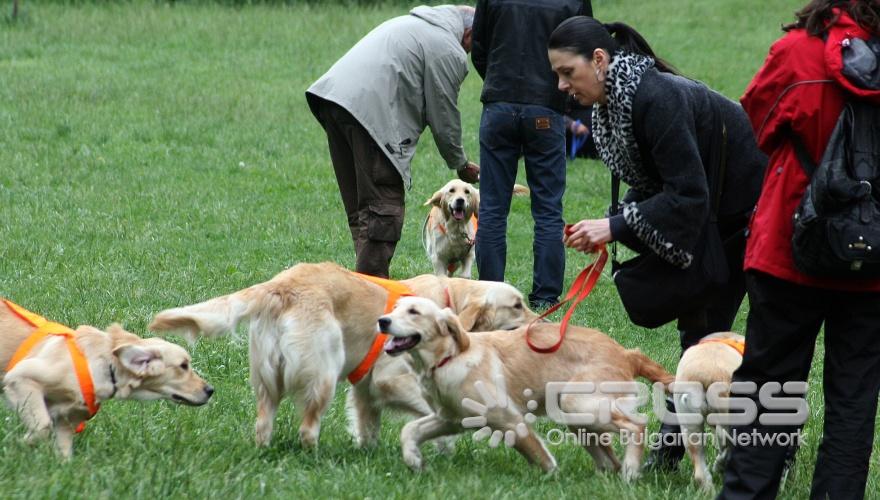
(396, 345)
(458, 214)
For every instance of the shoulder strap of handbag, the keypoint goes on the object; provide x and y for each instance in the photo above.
(715, 174)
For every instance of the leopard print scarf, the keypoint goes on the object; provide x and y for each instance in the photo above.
(616, 144)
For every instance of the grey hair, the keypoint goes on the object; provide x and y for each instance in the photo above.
(467, 15)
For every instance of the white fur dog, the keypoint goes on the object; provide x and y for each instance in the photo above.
(313, 324)
(45, 390)
(450, 228)
(456, 366)
(711, 361)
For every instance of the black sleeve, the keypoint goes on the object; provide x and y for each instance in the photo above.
(621, 233)
(670, 222)
(481, 37)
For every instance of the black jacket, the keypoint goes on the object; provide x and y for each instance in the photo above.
(510, 49)
(673, 127)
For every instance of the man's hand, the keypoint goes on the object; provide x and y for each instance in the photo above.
(469, 173)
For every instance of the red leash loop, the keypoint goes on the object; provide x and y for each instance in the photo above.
(580, 289)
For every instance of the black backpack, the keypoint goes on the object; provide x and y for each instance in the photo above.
(837, 223)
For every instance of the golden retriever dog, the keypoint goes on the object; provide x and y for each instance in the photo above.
(711, 361)
(313, 324)
(451, 227)
(459, 368)
(44, 389)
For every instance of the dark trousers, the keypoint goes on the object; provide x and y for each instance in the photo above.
(509, 131)
(784, 322)
(371, 188)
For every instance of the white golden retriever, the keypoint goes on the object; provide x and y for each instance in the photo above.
(44, 389)
(450, 228)
(457, 366)
(313, 324)
(711, 361)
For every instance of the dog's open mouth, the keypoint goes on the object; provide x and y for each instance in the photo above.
(177, 398)
(396, 345)
(458, 213)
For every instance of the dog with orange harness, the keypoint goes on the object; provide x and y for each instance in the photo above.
(711, 361)
(450, 228)
(56, 377)
(314, 325)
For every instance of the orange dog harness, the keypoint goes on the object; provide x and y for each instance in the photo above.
(44, 328)
(442, 228)
(736, 344)
(395, 290)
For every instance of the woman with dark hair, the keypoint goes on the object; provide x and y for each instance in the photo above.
(654, 129)
(796, 97)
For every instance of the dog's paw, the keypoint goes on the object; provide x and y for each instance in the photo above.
(33, 438)
(629, 474)
(366, 442)
(445, 445)
(412, 457)
(308, 438)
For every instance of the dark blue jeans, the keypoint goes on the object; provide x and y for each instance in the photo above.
(509, 131)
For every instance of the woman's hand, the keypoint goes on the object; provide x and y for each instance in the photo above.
(587, 235)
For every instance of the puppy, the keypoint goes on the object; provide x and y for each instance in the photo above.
(457, 366)
(313, 324)
(450, 228)
(44, 389)
(713, 360)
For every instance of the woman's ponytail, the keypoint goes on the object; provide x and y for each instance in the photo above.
(632, 41)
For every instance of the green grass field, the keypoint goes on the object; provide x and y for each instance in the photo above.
(156, 155)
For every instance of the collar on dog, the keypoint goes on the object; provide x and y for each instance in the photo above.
(395, 290)
(441, 363)
(44, 328)
(739, 345)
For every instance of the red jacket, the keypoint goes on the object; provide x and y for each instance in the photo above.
(792, 92)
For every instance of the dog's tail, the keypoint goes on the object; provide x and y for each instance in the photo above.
(648, 368)
(520, 190)
(213, 318)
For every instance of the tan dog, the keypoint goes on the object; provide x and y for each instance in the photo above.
(706, 363)
(43, 387)
(313, 324)
(457, 365)
(451, 227)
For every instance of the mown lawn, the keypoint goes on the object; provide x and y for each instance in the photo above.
(155, 155)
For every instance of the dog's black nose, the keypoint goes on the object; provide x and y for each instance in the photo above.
(458, 203)
(209, 390)
(384, 323)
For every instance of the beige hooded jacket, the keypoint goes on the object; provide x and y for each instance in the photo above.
(401, 77)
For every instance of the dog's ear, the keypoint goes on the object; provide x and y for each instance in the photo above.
(470, 316)
(434, 200)
(140, 361)
(456, 331)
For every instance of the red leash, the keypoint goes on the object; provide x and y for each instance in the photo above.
(580, 289)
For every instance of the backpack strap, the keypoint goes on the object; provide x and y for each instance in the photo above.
(803, 156)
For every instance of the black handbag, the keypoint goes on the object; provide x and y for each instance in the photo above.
(655, 292)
